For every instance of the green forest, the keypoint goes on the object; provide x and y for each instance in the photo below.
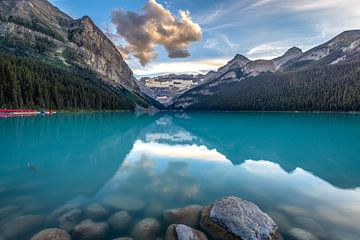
(321, 88)
(29, 83)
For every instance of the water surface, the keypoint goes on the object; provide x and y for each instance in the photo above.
(302, 169)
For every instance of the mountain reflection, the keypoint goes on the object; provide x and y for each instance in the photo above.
(173, 167)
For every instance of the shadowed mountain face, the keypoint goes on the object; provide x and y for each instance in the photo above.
(325, 78)
(70, 41)
(37, 30)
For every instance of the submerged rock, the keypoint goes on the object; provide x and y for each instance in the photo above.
(96, 211)
(21, 227)
(7, 211)
(124, 203)
(89, 230)
(69, 220)
(189, 215)
(61, 210)
(52, 234)
(183, 232)
(300, 234)
(233, 218)
(120, 221)
(148, 228)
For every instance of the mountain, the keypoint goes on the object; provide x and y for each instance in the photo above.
(41, 33)
(325, 78)
(168, 87)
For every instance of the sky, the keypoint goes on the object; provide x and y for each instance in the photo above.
(194, 36)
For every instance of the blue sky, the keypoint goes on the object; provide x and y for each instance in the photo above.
(254, 28)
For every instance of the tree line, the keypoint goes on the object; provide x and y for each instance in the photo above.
(31, 83)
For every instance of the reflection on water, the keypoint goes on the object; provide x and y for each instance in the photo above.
(302, 169)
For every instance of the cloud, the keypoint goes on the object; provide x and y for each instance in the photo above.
(190, 67)
(156, 25)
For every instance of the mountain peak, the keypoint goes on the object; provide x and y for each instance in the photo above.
(292, 51)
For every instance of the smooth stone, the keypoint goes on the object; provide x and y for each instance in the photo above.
(154, 210)
(7, 211)
(124, 203)
(54, 215)
(90, 230)
(120, 221)
(232, 218)
(70, 219)
(148, 228)
(189, 215)
(21, 227)
(96, 211)
(52, 234)
(183, 232)
(300, 234)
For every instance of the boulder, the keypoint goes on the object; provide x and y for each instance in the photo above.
(124, 203)
(300, 234)
(69, 220)
(183, 232)
(22, 227)
(189, 215)
(54, 215)
(120, 221)
(96, 211)
(52, 234)
(232, 218)
(148, 228)
(7, 211)
(89, 230)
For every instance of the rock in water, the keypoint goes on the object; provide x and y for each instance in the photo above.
(7, 211)
(148, 228)
(89, 230)
(120, 221)
(299, 234)
(183, 232)
(69, 220)
(124, 203)
(52, 234)
(231, 218)
(61, 210)
(123, 238)
(96, 211)
(21, 227)
(189, 215)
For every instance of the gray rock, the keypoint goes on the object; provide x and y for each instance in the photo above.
(54, 215)
(96, 211)
(189, 215)
(22, 227)
(7, 211)
(69, 220)
(52, 234)
(120, 221)
(233, 218)
(148, 228)
(89, 230)
(183, 232)
(300, 234)
(124, 203)
(154, 210)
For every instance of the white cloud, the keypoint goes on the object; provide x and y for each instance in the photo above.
(194, 67)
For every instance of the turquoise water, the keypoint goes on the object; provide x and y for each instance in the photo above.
(302, 169)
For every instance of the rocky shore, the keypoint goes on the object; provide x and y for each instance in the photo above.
(226, 218)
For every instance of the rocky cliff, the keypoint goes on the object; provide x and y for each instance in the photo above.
(36, 28)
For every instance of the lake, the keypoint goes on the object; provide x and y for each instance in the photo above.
(302, 169)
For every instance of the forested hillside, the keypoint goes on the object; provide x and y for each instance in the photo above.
(323, 88)
(29, 83)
